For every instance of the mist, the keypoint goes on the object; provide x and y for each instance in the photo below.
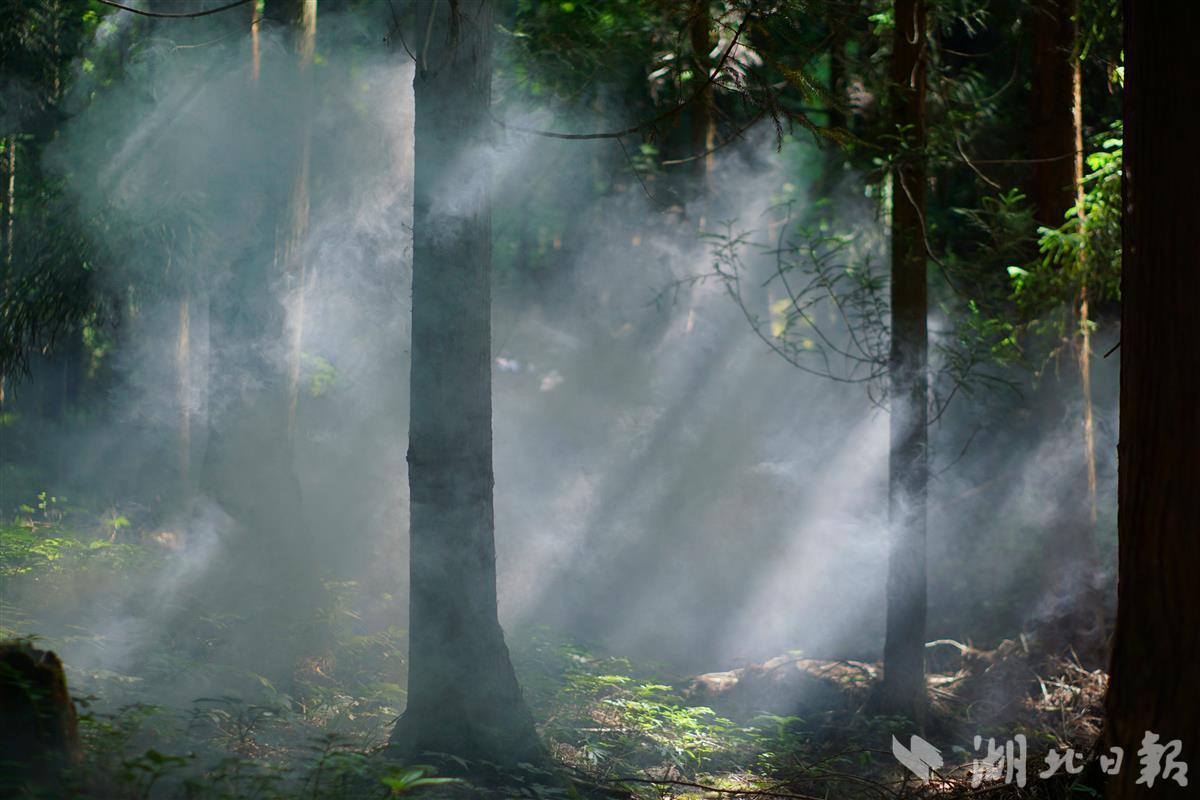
(668, 490)
(643, 442)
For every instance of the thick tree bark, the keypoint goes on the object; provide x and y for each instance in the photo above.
(1155, 685)
(903, 688)
(463, 695)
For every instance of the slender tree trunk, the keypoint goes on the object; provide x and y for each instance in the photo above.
(255, 54)
(1155, 685)
(704, 128)
(831, 164)
(903, 688)
(8, 185)
(1054, 86)
(249, 465)
(10, 197)
(292, 233)
(837, 75)
(463, 695)
(1085, 352)
(183, 389)
(1057, 151)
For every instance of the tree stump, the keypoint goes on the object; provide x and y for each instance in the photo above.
(39, 732)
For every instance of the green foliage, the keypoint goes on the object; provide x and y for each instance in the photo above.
(76, 269)
(1003, 222)
(37, 42)
(1086, 249)
(1100, 30)
(37, 552)
(828, 301)
(824, 299)
(566, 50)
(1084, 253)
(685, 735)
(318, 374)
(143, 771)
(613, 716)
(48, 287)
(227, 749)
(827, 310)
(402, 780)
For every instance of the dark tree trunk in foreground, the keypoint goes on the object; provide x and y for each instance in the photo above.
(39, 732)
(1057, 153)
(463, 696)
(1155, 681)
(903, 689)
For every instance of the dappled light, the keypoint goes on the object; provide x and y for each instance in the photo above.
(593, 399)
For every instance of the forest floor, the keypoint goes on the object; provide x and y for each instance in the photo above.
(791, 727)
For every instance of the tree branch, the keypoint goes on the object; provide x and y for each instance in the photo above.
(648, 124)
(175, 15)
(749, 792)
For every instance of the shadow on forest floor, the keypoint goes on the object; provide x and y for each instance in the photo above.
(791, 727)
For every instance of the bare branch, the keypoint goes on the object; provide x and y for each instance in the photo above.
(648, 124)
(176, 14)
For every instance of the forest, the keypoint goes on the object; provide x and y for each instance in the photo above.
(598, 399)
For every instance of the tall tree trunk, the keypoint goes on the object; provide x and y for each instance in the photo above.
(703, 122)
(255, 42)
(837, 74)
(1054, 85)
(8, 185)
(903, 687)
(292, 231)
(249, 467)
(1155, 685)
(463, 695)
(831, 164)
(183, 390)
(1057, 151)
(9, 179)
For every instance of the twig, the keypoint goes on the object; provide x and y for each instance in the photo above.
(946, 469)
(649, 124)
(398, 29)
(177, 14)
(728, 141)
(718, 790)
(633, 168)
